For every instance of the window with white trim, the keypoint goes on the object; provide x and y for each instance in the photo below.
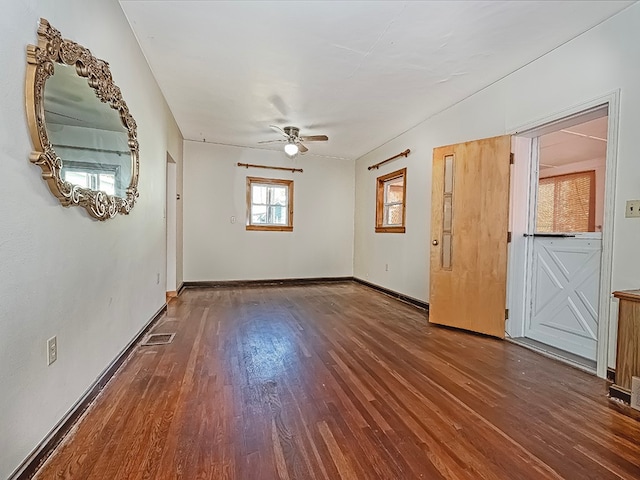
(269, 204)
(96, 176)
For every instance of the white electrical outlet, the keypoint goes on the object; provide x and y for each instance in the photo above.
(635, 392)
(52, 350)
(633, 209)
(233, 219)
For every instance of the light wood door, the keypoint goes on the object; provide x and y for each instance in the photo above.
(469, 223)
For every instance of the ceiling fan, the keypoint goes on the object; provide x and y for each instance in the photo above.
(293, 140)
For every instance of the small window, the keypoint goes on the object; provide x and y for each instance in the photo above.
(390, 202)
(105, 182)
(96, 176)
(566, 203)
(269, 204)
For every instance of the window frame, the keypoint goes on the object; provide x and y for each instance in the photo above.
(381, 205)
(270, 181)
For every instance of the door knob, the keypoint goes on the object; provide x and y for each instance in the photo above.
(435, 242)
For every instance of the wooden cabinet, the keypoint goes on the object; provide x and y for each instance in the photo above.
(628, 346)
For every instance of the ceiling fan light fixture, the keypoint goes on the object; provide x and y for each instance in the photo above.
(291, 149)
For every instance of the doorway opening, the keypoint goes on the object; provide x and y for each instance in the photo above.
(560, 258)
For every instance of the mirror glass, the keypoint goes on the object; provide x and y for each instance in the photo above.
(87, 134)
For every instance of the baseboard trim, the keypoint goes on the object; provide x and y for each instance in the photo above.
(398, 296)
(175, 293)
(303, 281)
(620, 406)
(262, 283)
(36, 459)
(620, 393)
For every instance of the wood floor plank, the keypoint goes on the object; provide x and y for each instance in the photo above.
(344, 466)
(338, 381)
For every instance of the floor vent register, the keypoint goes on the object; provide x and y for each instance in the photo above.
(158, 339)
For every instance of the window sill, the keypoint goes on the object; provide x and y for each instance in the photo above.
(269, 228)
(390, 229)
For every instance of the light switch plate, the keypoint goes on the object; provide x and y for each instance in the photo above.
(52, 350)
(633, 209)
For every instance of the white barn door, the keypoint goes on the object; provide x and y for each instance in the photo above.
(565, 292)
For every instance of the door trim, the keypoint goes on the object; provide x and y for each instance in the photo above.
(606, 338)
(171, 229)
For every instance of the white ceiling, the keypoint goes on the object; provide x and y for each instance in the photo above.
(586, 141)
(69, 100)
(361, 72)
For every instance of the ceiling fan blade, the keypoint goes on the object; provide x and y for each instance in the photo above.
(272, 141)
(302, 148)
(279, 130)
(314, 138)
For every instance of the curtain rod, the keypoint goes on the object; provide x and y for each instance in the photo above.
(292, 170)
(91, 149)
(401, 154)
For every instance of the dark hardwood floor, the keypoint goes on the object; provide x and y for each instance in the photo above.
(338, 381)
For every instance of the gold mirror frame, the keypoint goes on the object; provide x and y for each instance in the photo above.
(41, 60)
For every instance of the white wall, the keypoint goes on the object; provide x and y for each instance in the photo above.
(591, 66)
(321, 244)
(92, 284)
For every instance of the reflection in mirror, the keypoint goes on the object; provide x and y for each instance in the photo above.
(86, 134)
(83, 134)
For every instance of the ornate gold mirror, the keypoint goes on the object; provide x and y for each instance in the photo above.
(84, 137)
